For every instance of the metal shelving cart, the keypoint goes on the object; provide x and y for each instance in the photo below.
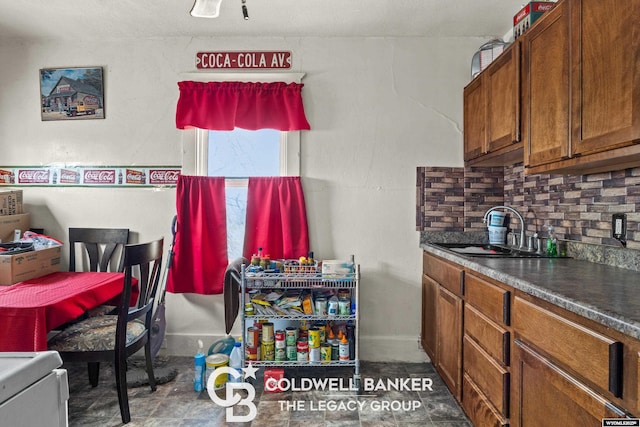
(303, 281)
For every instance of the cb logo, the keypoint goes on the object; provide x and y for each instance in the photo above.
(231, 398)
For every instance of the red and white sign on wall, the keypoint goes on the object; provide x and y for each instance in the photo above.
(243, 60)
(107, 176)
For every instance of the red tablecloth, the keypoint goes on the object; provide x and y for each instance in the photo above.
(30, 309)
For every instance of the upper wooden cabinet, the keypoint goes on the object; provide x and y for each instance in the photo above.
(492, 113)
(581, 88)
(545, 88)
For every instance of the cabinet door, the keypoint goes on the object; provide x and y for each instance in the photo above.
(606, 74)
(546, 396)
(474, 120)
(429, 325)
(502, 81)
(449, 344)
(545, 88)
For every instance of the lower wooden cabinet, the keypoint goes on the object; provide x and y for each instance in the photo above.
(478, 408)
(428, 330)
(511, 359)
(546, 396)
(449, 340)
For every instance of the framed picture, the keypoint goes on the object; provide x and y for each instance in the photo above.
(71, 93)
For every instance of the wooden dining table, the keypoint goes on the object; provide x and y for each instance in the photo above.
(29, 310)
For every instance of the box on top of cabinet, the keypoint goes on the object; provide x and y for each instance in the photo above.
(10, 202)
(528, 15)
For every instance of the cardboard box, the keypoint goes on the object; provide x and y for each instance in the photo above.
(29, 265)
(336, 268)
(528, 15)
(10, 223)
(10, 202)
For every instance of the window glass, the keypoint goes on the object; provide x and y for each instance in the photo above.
(237, 155)
(244, 153)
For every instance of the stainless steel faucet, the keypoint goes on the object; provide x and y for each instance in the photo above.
(522, 242)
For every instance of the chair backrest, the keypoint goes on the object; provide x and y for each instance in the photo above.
(103, 247)
(142, 261)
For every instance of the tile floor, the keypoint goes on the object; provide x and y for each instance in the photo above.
(176, 404)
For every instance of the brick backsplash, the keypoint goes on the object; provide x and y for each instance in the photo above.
(580, 207)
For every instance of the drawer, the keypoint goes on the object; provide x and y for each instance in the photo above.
(448, 275)
(493, 338)
(477, 407)
(491, 300)
(596, 357)
(487, 374)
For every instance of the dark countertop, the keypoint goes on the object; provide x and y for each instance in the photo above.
(605, 294)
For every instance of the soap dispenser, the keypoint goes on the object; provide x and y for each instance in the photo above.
(552, 243)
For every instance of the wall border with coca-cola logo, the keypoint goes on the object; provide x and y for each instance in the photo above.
(90, 176)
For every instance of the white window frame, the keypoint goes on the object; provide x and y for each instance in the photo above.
(195, 142)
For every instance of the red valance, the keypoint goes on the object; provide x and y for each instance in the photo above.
(251, 106)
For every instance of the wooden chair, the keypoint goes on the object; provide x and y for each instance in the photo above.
(102, 246)
(113, 338)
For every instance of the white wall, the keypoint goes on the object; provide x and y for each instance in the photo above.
(378, 108)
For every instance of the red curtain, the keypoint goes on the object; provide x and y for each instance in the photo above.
(200, 250)
(251, 106)
(276, 218)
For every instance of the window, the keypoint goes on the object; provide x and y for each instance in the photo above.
(239, 154)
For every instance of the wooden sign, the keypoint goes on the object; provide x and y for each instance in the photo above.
(243, 60)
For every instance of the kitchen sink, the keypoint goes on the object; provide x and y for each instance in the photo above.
(486, 250)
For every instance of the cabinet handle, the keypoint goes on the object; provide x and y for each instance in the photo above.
(615, 368)
(506, 348)
(506, 308)
(462, 282)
